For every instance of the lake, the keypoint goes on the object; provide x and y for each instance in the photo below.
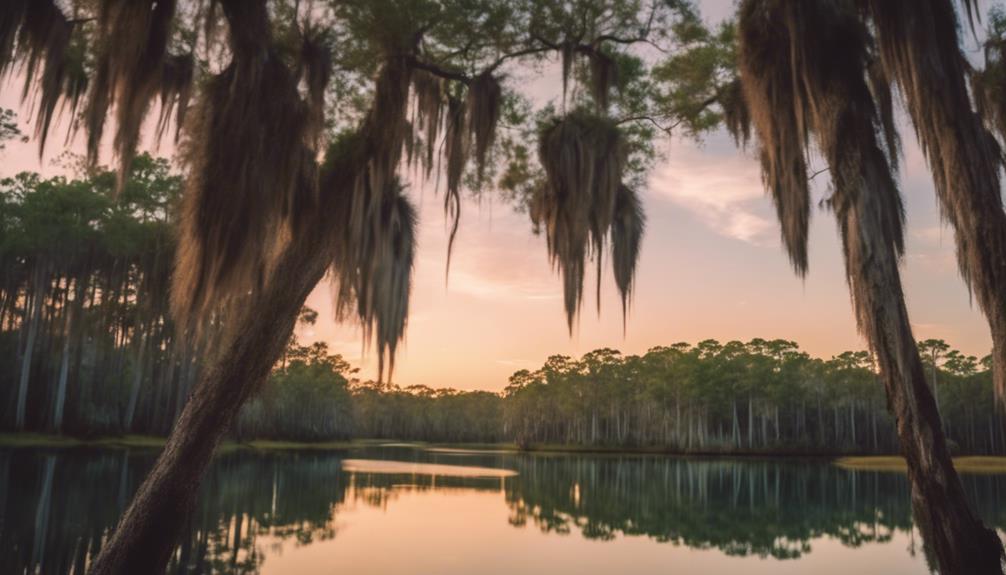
(407, 509)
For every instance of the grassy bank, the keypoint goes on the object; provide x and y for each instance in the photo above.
(975, 464)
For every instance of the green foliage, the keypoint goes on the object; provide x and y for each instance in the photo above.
(756, 396)
(306, 398)
(99, 266)
(692, 82)
(9, 130)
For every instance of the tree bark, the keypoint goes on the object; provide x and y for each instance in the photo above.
(961, 543)
(146, 534)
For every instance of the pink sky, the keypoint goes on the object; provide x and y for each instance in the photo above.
(711, 267)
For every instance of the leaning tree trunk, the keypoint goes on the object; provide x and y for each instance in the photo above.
(868, 208)
(145, 536)
(962, 544)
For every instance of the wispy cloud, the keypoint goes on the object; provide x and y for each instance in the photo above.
(723, 190)
(489, 287)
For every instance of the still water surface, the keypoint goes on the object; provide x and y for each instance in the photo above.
(402, 509)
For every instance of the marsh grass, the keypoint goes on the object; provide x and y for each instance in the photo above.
(973, 464)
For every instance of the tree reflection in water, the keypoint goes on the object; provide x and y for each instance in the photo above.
(56, 507)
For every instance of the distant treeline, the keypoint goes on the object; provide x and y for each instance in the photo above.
(756, 396)
(87, 346)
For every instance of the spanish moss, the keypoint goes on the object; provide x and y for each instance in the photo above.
(483, 104)
(603, 76)
(248, 150)
(584, 157)
(457, 146)
(177, 77)
(43, 44)
(375, 222)
(429, 102)
(765, 70)
(736, 116)
(133, 35)
(626, 240)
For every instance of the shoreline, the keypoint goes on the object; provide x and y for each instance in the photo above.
(890, 463)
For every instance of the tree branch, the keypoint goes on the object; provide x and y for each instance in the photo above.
(438, 71)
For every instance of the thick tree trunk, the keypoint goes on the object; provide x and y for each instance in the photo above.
(146, 534)
(961, 543)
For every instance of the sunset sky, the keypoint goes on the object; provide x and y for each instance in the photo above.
(711, 267)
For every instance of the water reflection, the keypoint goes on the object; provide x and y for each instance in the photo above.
(56, 507)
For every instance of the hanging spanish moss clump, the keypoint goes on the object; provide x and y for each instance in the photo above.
(374, 274)
(11, 18)
(375, 280)
(374, 227)
(583, 156)
(483, 105)
(829, 52)
(736, 116)
(429, 102)
(315, 69)
(626, 239)
(37, 34)
(603, 76)
(568, 50)
(177, 76)
(133, 36)
(384, 133)
(767, 86)
(880, 88)
(457, 146)
(248, 151)
(962, 157)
